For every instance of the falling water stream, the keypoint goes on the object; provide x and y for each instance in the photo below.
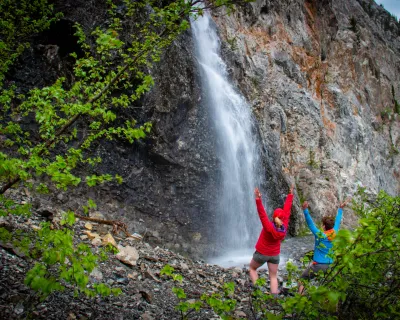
(238, 225)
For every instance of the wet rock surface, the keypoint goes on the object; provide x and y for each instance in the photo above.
(145, 293)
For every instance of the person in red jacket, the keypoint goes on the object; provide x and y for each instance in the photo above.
(268, 246)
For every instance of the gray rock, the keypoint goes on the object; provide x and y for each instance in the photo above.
(96, 274)
(19, 308)
(127, 255)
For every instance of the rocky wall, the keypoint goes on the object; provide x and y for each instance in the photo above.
(319, 75)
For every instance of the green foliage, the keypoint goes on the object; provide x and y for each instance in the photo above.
(387, 114)
(169, 271)
(367, 260)
(185, 307)
(90, 205)
(10, 207)
(232, 43)
(104, 290)
(393, 150)
(103, 252)
(222, 304)
(68, 218)
(311, 160)
(261, 302)
(111, 75)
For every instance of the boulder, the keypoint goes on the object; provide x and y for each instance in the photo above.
(108, 239)
(128, 255)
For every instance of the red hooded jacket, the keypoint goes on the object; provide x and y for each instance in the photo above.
(269, 241)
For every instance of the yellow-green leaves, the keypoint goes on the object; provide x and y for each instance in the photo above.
(38, 280)
(90, 205)
(68, 218)
(179, 292)
(107, 40)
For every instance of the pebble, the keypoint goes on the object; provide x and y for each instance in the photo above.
(123, 280)
(88, 226)
(184, 266)
(96, 274)
(19, 308)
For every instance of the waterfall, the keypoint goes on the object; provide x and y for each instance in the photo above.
(238, 225)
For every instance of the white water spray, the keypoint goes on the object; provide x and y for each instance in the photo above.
(238, 225)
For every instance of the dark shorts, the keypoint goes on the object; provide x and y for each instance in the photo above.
(261, 259)
(312, 270)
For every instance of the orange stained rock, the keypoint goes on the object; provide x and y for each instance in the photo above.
(355, 110)
(311, 11)
(328, 124)
(329, 98)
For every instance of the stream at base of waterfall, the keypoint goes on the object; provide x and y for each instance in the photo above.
(292, 249)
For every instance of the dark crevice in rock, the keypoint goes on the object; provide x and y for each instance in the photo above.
(61, 34)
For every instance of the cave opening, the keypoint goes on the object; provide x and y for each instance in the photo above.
(62, 34)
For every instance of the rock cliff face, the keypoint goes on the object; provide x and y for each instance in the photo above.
(319, 77)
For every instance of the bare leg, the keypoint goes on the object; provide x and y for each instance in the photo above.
(273, 277)
(253, 270)
(301, 288)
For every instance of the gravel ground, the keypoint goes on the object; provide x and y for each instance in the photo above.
(146, 294)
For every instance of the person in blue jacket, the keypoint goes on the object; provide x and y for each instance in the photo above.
(323, 241)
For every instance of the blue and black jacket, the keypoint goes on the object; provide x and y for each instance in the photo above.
(323, 239)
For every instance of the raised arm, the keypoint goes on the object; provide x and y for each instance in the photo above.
(266, 223)
(309, 220)
(339, 215)
(338, 219)
(287, 207)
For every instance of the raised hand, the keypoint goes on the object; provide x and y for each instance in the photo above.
(344, 203)
(305, 205)
(291, 189)
(257, 193)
